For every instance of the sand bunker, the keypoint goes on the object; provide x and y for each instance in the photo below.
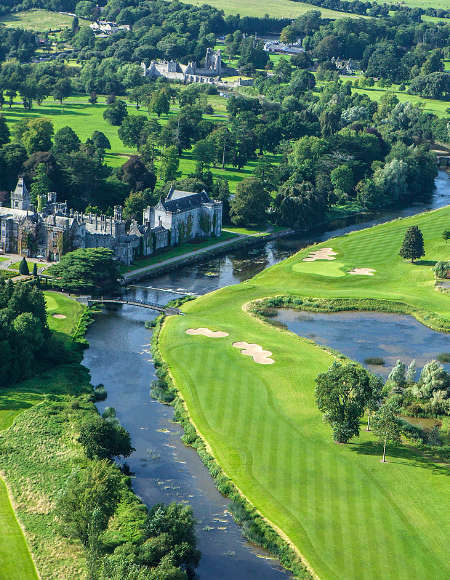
(259, 355)
(207, 332)
(363, 271)
(61, 316)
(322, 254)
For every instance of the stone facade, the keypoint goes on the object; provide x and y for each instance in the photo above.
(190, 73)
(181, 217)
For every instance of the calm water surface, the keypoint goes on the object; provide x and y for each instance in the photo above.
(165, 470)
(360, 335)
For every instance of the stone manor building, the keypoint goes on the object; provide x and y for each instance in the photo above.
(190, 73)
(183, 216)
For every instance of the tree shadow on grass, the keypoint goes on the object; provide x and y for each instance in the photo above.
(424, 457)
(425, 262)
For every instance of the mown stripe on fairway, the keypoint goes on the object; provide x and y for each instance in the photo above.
(353, 517)
(15, 559)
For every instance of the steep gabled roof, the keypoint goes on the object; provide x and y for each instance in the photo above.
(178, 200)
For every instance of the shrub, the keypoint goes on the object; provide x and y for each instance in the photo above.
(441, 269)
(374, 360)
(100, 393)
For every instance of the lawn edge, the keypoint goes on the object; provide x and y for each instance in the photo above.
(311, 304)
(184, 417)
(19, 522)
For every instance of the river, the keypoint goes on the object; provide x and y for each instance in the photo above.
(164, 469)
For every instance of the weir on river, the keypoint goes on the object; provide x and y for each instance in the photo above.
(166, 470)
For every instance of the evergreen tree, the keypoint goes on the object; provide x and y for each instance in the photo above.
(397, 377)
(23, 268)
(35, 272)
(412, 247)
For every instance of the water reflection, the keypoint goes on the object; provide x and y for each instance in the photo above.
(363, 335)
(165, 470)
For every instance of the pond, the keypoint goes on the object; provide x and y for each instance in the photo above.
(165, 470)
(363, 335)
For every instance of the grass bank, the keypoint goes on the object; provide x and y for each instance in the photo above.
(41, 420)
(350, 516)
(176, 252)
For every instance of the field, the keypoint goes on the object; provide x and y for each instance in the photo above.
(39, 20)
(349, 515)
(15, 559)
(84, 118)
(274, 8)
(435, 106)
(13, 544)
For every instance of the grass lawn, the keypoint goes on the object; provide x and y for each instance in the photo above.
(78, 114)
(16, 265)
(435, 106)
(39, 20)
(175, 252)
(61, 304)
(274, 8)
(351, 517)
(15, 558)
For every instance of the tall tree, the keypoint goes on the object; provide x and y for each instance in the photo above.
(41, 184)
(342, 394)
(412, 247)
(250, 203)
(4, 131)
(386, 425)
(168, 165)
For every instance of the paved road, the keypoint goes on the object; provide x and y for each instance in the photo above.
(181, 258)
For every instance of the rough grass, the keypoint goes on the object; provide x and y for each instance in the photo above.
(39, 20)
(36, 458)
(349, 515)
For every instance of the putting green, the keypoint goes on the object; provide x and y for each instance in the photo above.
(351, 517)
(320, 267)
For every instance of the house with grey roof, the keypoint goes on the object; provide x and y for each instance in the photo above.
(181, 217)
(186, 215)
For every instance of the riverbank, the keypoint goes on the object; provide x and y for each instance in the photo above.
(41, 456)
(194, 256)
(263, 427)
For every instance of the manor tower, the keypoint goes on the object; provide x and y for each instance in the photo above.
(20, 198)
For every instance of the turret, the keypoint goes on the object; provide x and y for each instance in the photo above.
(118, 213)
(20, 198)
